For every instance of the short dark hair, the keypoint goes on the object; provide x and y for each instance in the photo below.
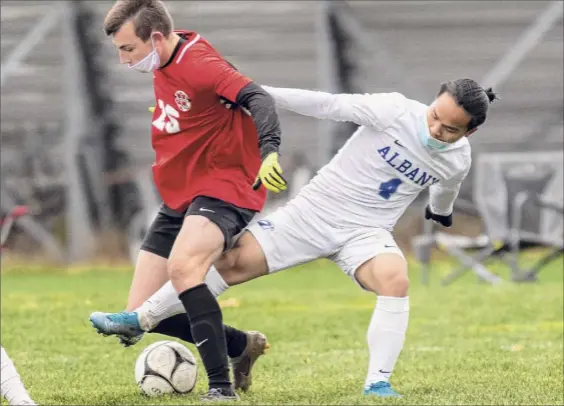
(473, 98)
(147, 16)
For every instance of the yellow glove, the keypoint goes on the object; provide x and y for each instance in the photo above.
(270, 174)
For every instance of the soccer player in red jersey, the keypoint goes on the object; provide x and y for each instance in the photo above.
(207, 161)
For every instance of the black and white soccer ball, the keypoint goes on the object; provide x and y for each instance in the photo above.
(166, 367)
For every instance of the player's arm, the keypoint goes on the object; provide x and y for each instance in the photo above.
(218, 74)
(376, 110)
(262, 108)
(442, 196)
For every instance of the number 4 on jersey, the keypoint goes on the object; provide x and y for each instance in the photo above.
(387, 189)
(168, 119)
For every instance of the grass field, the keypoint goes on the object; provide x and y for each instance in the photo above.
(468, 343)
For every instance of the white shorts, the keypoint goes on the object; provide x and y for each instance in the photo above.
(294, 234)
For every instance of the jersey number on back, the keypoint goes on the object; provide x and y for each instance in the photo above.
(168, 119)
(387, 189)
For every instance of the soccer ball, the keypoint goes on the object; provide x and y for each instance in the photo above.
(166, 367)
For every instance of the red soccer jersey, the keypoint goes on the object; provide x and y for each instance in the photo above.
(202, 148)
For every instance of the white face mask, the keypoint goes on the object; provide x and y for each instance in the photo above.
(148, 64)
(426, 138)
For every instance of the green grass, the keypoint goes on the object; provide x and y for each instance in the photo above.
(468, 343)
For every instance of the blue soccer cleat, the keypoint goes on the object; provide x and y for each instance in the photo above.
(381, 389)
(125, 325)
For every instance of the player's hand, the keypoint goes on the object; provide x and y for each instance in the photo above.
(445, 221)
(270, 174)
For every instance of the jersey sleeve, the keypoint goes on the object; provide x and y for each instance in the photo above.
(378, 110)
(208, 70)
(443, 194)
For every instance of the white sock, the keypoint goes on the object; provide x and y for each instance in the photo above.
(216, 284)
(11, 385)
(165, 303)
(385, 336)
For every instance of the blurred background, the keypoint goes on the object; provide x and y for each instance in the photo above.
(75, 130)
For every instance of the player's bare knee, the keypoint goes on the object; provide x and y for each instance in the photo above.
(186, 267)
(385, 274)
(175, 268)
(196, 247)
(396, 286)
(386, 282)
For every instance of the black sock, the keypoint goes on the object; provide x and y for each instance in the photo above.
(206, 324)
(178, 326)
(236, 341)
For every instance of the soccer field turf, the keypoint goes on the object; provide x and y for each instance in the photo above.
(468, 343)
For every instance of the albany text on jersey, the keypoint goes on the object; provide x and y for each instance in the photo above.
(384, 166)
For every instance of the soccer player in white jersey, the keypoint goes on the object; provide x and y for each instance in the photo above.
(348, 210)
(12, 388)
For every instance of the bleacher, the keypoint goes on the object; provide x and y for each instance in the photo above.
(275, 43)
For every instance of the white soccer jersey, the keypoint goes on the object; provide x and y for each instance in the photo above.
(384, 166)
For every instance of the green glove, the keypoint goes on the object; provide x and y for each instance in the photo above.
(270, 174)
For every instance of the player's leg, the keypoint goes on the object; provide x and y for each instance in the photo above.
(153, 257)
(151, 268)
(375, 262)
(282, 240)
(159, 314)
(270, 245)
(203, 237)
(386, 275)
(150, 274)
(151, 271)
(244, 262)
(247, 260)
(12, 388)
(130, 327)
(165, 303)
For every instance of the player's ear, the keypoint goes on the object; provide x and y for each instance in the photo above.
(470, 132)
(157, 37)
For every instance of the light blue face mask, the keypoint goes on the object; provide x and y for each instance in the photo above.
(426, 138)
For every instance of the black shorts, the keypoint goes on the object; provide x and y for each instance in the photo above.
(230, 219)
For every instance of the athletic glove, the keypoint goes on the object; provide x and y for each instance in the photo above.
(270, 174)
(445, 221)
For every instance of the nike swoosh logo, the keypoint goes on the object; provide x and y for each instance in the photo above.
(398, 143)
(385, 372)
(204, 209)
(201, 342)
(389, 246)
